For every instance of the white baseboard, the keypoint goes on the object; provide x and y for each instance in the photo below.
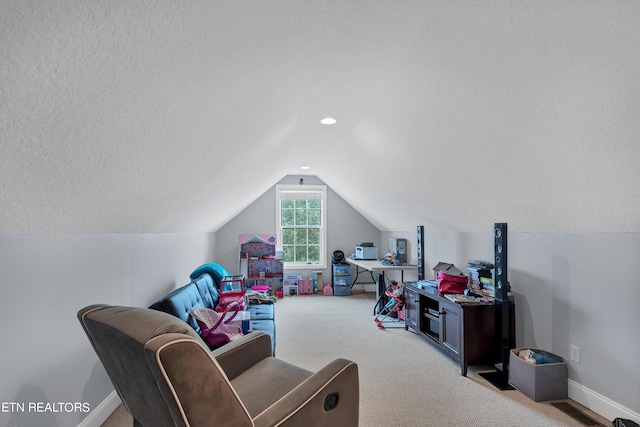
(101, 412)
(599, 404)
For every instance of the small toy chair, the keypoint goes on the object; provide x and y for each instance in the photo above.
(394, 305)
(215, 330)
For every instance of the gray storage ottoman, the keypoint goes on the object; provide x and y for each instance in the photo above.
(541, 382)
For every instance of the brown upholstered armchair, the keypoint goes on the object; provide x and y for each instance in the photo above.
(166, 376)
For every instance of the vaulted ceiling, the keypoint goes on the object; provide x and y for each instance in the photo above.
(173, 116)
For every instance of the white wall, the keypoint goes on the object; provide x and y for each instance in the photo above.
(46, 279)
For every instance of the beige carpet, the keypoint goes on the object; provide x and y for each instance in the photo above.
(404, 381)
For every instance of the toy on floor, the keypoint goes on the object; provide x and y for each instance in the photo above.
(394, 305)
(327, 289)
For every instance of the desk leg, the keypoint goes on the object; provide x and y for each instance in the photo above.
(355, 279)
(379, 303)
(358, 271)
(380, 288)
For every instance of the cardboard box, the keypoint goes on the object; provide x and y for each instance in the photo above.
(548, 381)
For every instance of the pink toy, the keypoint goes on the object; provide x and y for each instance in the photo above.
(305, 286)
(327, 289)
(231, 290)
(214, 329)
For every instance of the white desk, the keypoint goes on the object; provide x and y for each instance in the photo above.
(374, 266)
(378, 267)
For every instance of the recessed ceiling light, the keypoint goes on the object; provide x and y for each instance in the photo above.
(328, 121)
(305, 167)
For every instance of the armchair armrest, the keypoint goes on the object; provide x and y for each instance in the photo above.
(330, 397)
(241, 354)
(192, 384)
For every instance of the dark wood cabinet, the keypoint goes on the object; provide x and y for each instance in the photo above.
(450, 338)
(466, 333)
(411, 313)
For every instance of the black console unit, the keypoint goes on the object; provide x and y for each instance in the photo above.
(465, 332)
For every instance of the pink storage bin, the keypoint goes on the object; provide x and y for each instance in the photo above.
(305, 286)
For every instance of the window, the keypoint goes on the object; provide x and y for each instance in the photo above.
(301, 213)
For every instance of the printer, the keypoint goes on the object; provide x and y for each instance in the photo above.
(365, 251)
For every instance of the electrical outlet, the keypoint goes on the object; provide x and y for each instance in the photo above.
(575, 353)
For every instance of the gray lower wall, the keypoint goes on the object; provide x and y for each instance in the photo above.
(46, 279)
(579, 289)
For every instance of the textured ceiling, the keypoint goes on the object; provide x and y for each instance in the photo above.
(173, 116)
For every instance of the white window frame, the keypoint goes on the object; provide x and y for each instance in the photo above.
(285, 191)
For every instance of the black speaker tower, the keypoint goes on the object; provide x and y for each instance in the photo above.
(500, 280)
(500, 378)
(420, 246)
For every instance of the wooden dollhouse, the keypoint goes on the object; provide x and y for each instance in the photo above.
(258, 262)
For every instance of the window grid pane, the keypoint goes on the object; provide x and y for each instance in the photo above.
(301, 220)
